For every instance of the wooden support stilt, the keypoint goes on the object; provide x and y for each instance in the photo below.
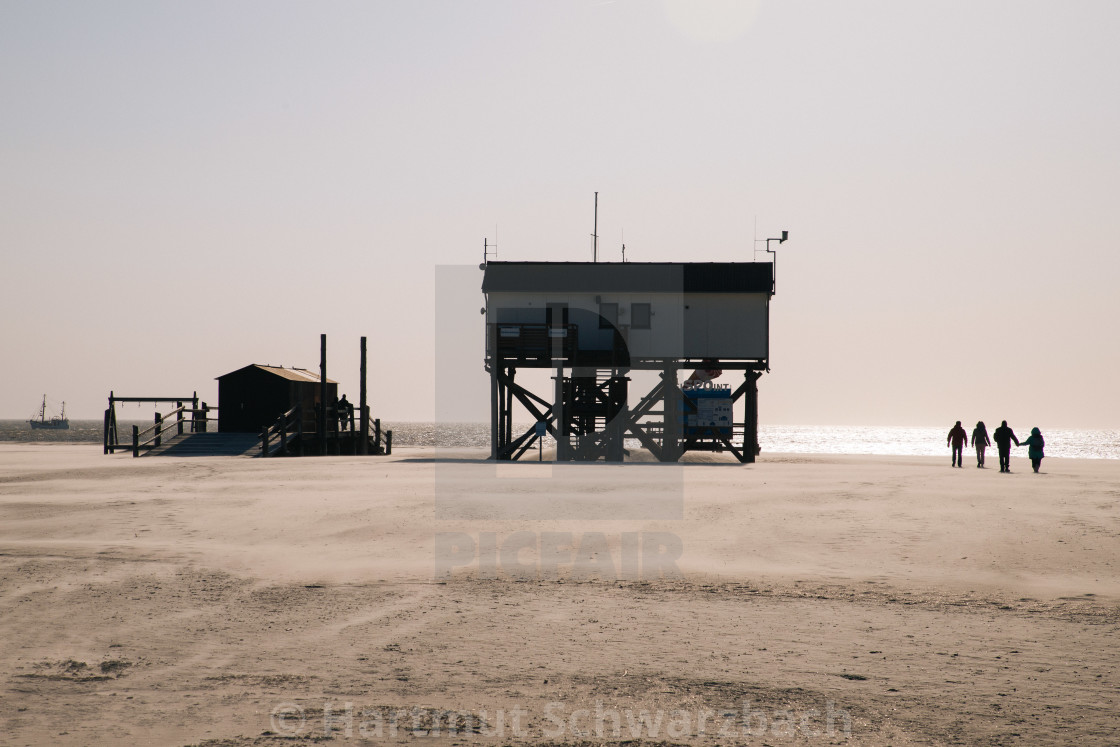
(562, 450)
(323, 395)
(363, 443)
(750, 416)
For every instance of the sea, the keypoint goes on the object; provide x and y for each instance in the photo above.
(789, 439)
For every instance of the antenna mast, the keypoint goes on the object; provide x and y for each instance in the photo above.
(595, 232)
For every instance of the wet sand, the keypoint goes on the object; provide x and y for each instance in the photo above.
(340, 600)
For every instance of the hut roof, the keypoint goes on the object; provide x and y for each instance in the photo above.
(292, 374)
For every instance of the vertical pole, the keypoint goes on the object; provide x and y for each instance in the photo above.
(511, 372)
(503, 434)
(377, 437)
(135, 440)
(388, 443)
(495, 394)
(283, 435)
(264, 442)
(159, 429)
(205, 417)
(561, 427)
(179, 417)
(363, 444)
(750, 416)
(322, 395)
(113, 434)
(105, 433)
(670, 444)
(595, 235)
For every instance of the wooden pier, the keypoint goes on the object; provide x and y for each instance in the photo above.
(312, 424)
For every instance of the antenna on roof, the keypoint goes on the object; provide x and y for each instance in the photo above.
(623, 232)
(595, 232)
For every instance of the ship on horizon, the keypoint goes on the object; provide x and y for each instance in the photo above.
(55, 422)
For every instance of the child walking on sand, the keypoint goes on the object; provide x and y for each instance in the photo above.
(1035, 442)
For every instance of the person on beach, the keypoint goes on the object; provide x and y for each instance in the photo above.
(981, 441)
(1003, 437)
(957, 439)
(1035, 442)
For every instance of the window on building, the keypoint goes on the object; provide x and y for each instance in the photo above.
(608, 315)
(640, 315)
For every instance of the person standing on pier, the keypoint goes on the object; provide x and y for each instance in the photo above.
(345, 413)
(957, 439)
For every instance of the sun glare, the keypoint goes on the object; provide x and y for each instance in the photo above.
(711, 20)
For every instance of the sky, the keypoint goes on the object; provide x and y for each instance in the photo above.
(187, 188)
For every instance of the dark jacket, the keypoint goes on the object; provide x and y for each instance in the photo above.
(980, 437)
(1004, 436)
(1035, 441)
(957, 436)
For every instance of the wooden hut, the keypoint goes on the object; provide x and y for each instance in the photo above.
(255, 396)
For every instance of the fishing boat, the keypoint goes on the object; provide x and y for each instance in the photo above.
(55, 422)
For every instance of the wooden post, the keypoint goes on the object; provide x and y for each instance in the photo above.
(363, 405)
(106, 432)
(205, 416)
(750, 416)
(135, 440)
(264, 442)
(179, 417)
(561, 424)
(388, 443)
(364, 436)
(674, 413)
(495, 392)
(283, 423)
(114, 433)
(159, 430)
(323, 395)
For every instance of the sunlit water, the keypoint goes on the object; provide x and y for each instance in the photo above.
(779, 439)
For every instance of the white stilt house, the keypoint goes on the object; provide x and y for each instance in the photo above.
(592, 323)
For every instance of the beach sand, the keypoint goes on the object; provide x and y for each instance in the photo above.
(349, 600)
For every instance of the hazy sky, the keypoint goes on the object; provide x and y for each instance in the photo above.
(189, 187)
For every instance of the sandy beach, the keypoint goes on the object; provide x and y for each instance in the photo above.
(343, 600)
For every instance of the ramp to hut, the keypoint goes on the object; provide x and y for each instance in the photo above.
(208, 444)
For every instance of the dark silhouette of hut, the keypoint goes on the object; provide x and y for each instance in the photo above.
(255, 396)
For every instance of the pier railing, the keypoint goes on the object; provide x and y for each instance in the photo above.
(200, 417)
(173, 423)
(288, 427)
(289, 436)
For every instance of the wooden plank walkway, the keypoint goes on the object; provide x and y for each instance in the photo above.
(209, 444)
